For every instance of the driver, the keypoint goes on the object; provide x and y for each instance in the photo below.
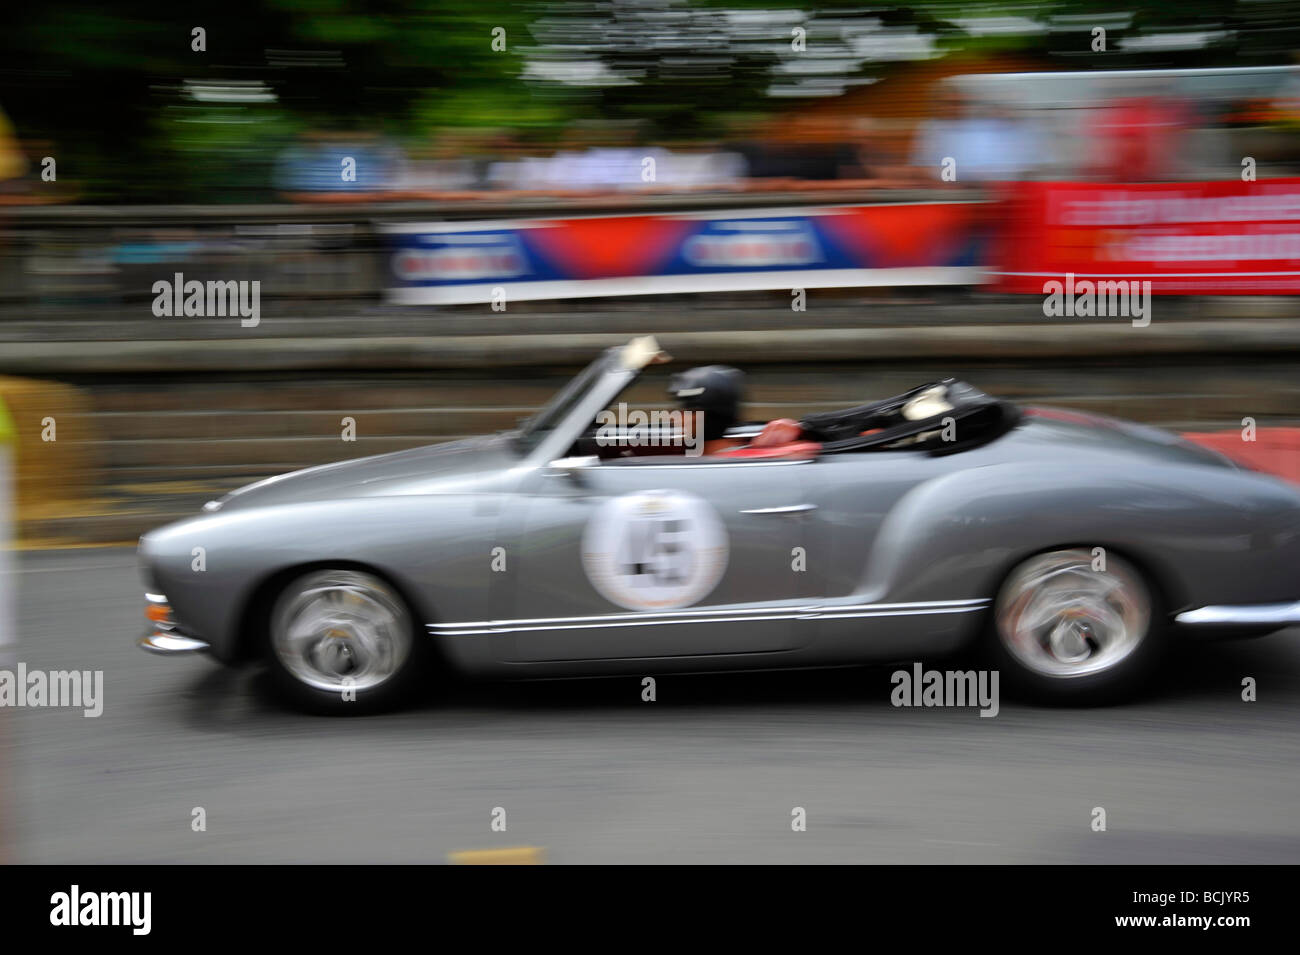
(715, 390)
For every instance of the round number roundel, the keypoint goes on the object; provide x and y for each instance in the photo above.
(655, 550)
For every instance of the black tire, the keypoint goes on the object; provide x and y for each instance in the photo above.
(343, 642)
(1064, 630)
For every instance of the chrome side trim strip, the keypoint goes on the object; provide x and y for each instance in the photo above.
(507, 628)
(698, 612)
(746, 462)
(824, 612)
(889, 613)
(1242, 614)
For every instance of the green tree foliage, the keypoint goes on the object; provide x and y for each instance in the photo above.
(135, 114)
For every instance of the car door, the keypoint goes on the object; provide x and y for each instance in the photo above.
(858, 614)
(639, 558)
(854, 493)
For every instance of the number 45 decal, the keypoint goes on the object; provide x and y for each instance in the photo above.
(655, 550)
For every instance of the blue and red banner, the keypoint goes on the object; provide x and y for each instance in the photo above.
(905, 244)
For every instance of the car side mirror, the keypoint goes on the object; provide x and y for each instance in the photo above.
(571, 467)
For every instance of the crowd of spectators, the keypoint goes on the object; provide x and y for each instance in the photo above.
(1146, 134)
(954, 139)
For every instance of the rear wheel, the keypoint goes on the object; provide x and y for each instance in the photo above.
(1071, 627)
(342, 641)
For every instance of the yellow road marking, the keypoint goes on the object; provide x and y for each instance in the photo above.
(517, 855)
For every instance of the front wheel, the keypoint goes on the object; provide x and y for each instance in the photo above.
(1072, 627)
(342, 642)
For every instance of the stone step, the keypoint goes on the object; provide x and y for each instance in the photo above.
(322, 358)
(165, 425)
(123, 527)
(355, 393)
(825, 382)
(271, 454)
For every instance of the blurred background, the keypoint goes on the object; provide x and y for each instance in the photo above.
(449, 207)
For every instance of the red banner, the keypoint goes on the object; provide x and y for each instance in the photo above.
(1226, 237)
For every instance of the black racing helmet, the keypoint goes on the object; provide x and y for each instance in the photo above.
(717, 390)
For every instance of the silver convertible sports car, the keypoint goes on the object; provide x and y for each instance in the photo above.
(1071, 550)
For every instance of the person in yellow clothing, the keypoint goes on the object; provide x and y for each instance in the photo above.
(8, 612)
(8, 442)
(13, 164)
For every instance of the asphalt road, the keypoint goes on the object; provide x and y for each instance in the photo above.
(708, 773)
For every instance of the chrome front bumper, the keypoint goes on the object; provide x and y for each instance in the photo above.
(170, 642)
(1242, 615)
(164, 636)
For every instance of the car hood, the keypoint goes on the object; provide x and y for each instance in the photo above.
(435, 469)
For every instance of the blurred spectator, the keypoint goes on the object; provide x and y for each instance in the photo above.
(13, 164)
(717, 169)
(609, 165)
(793, 149)
(985, 142)
(317, 167)
(1285, 104)
(808, 161)
(1139, 139)
(445, 166)
(20, 174)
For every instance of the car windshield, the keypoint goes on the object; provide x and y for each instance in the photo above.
(557, 409)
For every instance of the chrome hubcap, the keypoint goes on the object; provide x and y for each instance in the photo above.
(341, 629)
(1061, 618)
